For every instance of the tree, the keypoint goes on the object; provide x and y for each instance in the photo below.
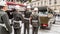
(30, 0)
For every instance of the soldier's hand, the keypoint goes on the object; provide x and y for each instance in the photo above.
(11, 24)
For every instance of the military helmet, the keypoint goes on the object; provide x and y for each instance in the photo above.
(35, 8)
(28, 6)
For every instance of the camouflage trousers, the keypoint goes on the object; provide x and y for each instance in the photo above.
(26, 27)
(35, 30)
(3, 30)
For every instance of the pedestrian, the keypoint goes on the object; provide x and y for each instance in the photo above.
(34, 18)
(27, 14)
(17, 16)
(5, 27)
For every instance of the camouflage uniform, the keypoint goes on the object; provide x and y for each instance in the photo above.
(16, 24)
(26, 22)
(35, 23)
(4, 29)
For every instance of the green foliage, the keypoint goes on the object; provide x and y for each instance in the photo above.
(30, 0)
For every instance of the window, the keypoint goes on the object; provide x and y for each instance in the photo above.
(31, 4)
(17, 0)
(12, 0)
(55, 9)
(55, 2)
(45, 2)
(38, 3)
(50, 2)
(41, 2)
(8, 0)
(24, 0)
(35, 4)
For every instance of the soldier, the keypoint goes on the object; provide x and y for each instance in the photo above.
(35, 21)
(17, 16)
(27, 16)
(5, 27)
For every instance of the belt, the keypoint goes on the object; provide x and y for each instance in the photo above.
(20, 22)
(3, 25)
(34, 20)
(15, 21)
(26, 18)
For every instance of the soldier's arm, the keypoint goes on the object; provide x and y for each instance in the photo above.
(12, 21)
(30, 19)
(22, 18)
(38, 20)
(7, 23)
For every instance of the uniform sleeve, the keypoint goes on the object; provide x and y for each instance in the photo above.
(38, 21)
(22, 18)
(12, 21)
(31, 19)
(7, 23)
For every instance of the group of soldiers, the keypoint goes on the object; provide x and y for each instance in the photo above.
(30, 17)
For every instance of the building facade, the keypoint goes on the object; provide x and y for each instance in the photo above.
(53, 4)
(16, 1)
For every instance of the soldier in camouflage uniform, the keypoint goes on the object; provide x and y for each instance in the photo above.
(26, 19)
(34, 21)
(5, 27)
(17, 16)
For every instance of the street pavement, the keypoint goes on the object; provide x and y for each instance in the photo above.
(55, 29)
